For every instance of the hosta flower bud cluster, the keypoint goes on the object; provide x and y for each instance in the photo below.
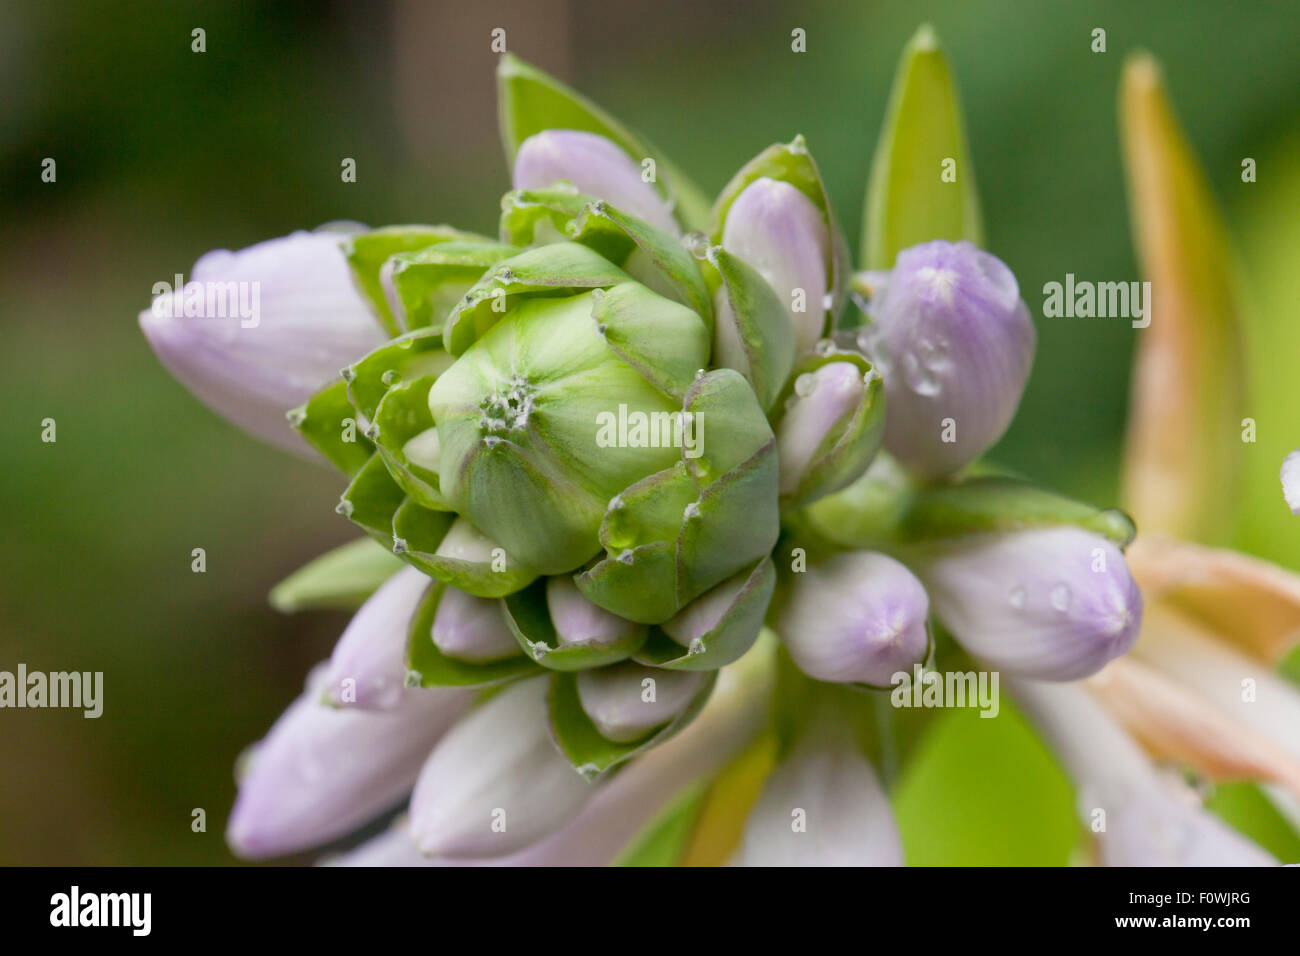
(611, 443)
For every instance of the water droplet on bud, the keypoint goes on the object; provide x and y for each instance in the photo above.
(1060, 597)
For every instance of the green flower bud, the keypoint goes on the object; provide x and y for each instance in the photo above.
(577, 417)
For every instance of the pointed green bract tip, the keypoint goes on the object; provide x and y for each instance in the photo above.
(924, 39)
(922, 183)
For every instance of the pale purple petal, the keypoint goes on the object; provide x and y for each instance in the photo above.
(823, 806)
(596, 167)
(1139, 816)
(323, 771)
(954, 343)
(859, 617)
(782, 234)
(496, 783)
(368, 667)
(1047, 603)
(626, 701)
(580, 621)
(824, 403)
(470, 628)
(305, 320)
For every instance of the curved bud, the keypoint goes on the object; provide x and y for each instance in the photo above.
(955, 342)
(831, 429)
(495, 783)
(779, 231)
(257, 332)
(468, 628)
(323, 771)
(368, 667)
(596, 167)
(859, 618)
(1047, 603)
(824, 400)
(626, 701)
(1139, 816)
(823, 806)
(1291, 481)
(578, 621)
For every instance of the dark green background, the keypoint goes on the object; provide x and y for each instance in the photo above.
(163, 154)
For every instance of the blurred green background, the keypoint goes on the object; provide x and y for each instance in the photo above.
(164, 153)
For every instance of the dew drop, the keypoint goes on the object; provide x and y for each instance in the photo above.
(1060, 597)
(805, 385)
(399, 546)
(692, 510)
(391, 377)
(926, 364)
(626, 557)
(825, 347)
(1017, 597)
(344, 507)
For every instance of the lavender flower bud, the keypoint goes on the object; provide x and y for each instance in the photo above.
(368, 667)
(473, 629)
(859, 617)
(954, 342)
(257, 332)
(626, 701)
(1049, 603)
(824, 403)
(597, 167)
(579, 621)
(705, 613)
(823, 806)
(781, 233)
(496, 782)
(323, 771)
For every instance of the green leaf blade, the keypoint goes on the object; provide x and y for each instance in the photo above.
(908, 201)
